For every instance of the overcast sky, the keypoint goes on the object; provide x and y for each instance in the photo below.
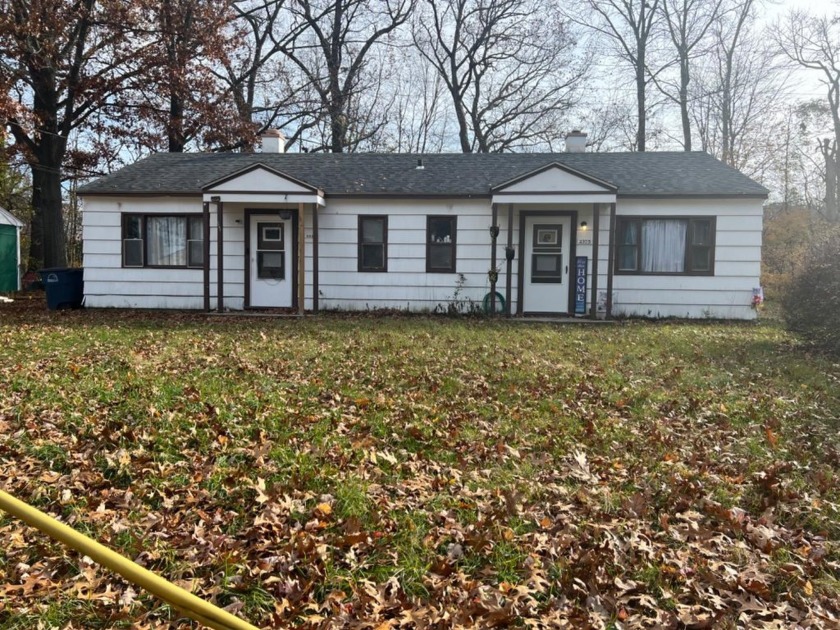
(805, 83)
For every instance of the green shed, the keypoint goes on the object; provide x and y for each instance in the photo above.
(10, 227)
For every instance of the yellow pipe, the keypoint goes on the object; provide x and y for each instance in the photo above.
(189, 604)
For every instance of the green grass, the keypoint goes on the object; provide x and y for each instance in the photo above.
(552, 456)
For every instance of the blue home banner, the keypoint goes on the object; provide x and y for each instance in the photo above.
(580, 285)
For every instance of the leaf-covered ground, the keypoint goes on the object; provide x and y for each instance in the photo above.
(353, 472)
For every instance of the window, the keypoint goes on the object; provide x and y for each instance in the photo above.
(271, 251)
(440, 244)
(547, 254)
(155, 240)
(665, 245)
(373, 243)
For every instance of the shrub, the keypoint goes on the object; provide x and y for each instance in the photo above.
(811, 302)
(787, 236)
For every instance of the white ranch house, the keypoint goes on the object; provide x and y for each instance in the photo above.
(657, 234)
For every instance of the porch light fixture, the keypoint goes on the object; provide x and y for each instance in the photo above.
(583, 226)
(494, 232)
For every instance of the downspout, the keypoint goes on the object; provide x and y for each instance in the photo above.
(315, 284)
(596, 254)
(220, 253)
(301, 244)
(206, 254)
(611, 262)
(494, 275)
(509, 258)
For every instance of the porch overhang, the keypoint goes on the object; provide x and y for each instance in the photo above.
(523, 198)
(264, 198)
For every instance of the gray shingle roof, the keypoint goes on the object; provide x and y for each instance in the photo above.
(663, 174)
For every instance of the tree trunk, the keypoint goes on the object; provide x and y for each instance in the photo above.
(338, 126)
(726, 114)
(47, 247)
(337, 131)
(463, 130)
(686, 120)
(176, 124)
(830, 156)
(641, 132)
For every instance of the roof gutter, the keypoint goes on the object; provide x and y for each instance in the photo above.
(380, 195)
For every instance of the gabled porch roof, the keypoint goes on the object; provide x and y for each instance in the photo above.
(259, 183)
(554, 183)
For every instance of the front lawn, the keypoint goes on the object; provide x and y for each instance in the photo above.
(421, 472)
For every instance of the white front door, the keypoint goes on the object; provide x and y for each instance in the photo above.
(270, 264)
(546, 263)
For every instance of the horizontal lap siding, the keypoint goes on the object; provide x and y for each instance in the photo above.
(727, 294)
(108, 284)
(406, 284)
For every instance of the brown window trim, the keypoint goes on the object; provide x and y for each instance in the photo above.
(453, 244)
(372, 217)
(143, 217)
(622, 220)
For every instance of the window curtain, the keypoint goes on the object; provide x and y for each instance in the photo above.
(664, 246)
(166, 240)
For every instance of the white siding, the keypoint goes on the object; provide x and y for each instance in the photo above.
(406, 285)
(727, 294)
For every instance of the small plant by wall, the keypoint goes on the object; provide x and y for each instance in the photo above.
(457, 304)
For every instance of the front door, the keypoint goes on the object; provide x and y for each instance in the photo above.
(545, 281)
(270, 262)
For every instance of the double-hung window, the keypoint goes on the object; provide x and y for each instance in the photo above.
(441, 240)
(159, 240)
(373, 243)
(666, 245)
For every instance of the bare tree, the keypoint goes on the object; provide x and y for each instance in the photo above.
(814, 43)
(738, 89)
(632, 27)
(417, 115)
(264, 91)
(687, 23)
(331, 49)
(508, 65)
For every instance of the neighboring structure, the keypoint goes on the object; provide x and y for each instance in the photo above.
(636, 234)
(10, 263)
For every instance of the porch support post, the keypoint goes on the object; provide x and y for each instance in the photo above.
(220, 255)
(596, 236)
(315, 289)
(509, 259)
(610, 262)
(206, 253)
(494, 234)
(301, 246)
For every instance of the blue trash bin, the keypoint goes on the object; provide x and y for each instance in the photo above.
(65, 287)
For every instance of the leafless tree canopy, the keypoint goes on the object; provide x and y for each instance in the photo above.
(509, 66)
(631, 28)
(814, 43)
